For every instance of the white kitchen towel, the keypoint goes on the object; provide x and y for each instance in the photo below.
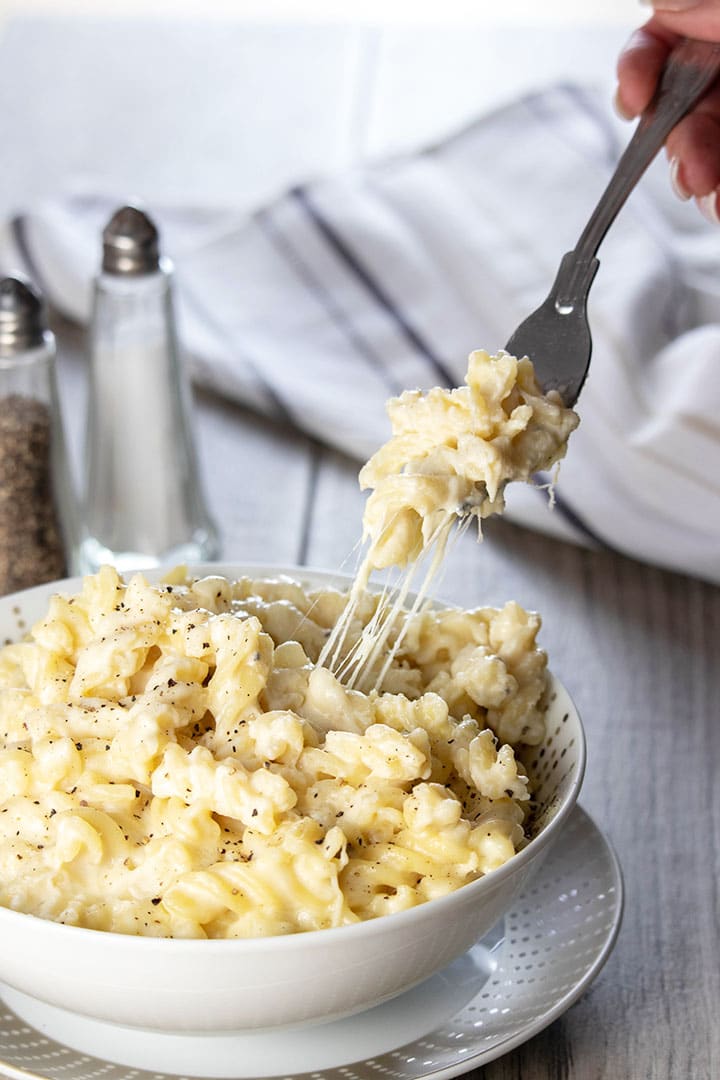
(347, 290)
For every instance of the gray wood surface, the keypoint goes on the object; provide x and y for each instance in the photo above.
(637, 647)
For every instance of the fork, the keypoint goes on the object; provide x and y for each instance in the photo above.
(556, 336)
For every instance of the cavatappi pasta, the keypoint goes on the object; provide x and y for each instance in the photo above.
(174, 763)
(453, 452)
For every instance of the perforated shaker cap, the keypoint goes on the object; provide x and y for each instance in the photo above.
(130, 243)
(23, 320)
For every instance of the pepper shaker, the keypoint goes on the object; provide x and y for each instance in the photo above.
(38, 518)
(144, 505)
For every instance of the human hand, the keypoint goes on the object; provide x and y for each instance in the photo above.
(693, 146)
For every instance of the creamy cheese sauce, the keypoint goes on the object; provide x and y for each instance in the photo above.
(173, 762)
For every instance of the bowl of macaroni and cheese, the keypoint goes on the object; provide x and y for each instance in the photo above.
(208, 825)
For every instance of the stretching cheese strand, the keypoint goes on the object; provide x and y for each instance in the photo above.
(450, 457)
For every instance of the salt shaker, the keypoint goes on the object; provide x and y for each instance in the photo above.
(144, 505)
(38, 516)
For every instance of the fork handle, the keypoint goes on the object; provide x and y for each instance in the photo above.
(690, 70)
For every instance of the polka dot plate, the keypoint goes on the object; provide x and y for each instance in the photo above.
(510, 986)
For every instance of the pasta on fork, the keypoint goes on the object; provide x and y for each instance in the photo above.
(451, 456)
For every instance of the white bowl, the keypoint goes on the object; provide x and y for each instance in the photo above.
(234, 985)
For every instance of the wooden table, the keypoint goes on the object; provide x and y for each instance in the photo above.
(636, 646)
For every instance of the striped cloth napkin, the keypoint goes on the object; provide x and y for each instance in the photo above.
(347, 290)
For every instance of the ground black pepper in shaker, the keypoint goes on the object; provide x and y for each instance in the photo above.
(37, 514)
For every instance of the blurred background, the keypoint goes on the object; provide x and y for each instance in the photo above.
(229, 101)
(217, 107)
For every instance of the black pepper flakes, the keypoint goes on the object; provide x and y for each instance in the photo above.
(31, 545)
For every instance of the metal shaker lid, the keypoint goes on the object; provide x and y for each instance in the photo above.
(22, 316)
(130, 243)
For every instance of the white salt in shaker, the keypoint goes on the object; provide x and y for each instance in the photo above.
(38, 513)
(144, 505)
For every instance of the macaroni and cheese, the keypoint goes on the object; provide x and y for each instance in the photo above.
(173, 762)
(453, 452)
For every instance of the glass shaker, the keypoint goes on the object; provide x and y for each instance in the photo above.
(144, 505)
(38, 522)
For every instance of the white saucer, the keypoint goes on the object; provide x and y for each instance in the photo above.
(509, 987)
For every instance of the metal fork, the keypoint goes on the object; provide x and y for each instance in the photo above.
(556, 336)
